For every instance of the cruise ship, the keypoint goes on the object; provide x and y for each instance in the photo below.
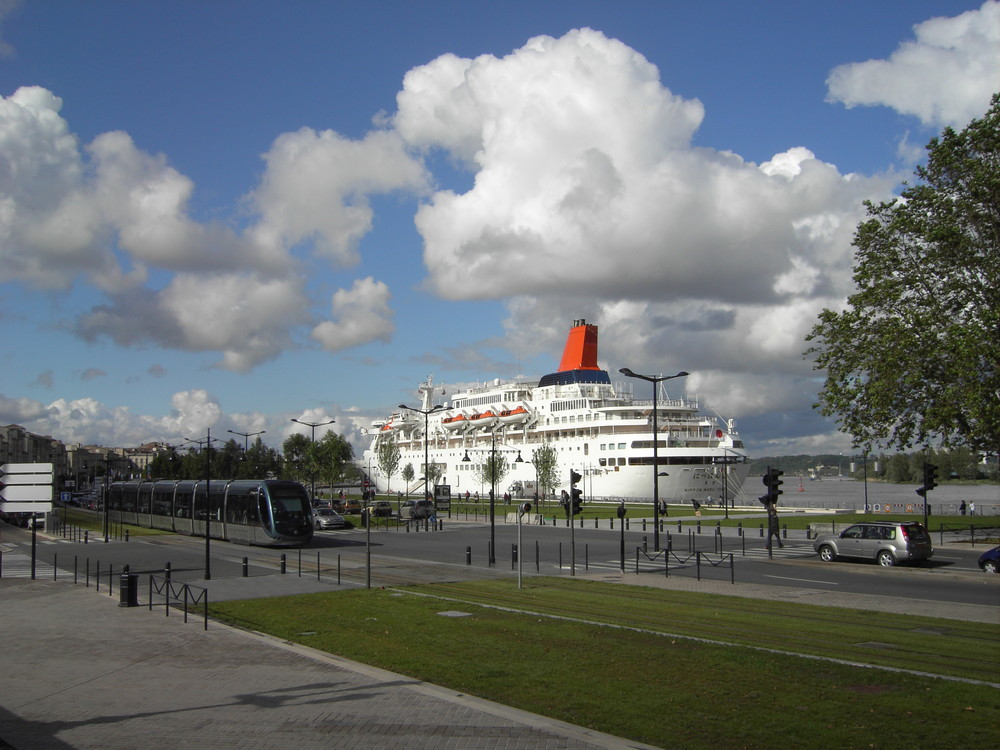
(597, 429)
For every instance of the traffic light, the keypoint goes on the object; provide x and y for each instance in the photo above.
(575, 493)
(930, 476)
(772, 480)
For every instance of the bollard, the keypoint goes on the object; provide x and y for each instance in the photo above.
(808, 531)
(86, 537)
(166, 571)
(283, 563)
(246, 567)
(513, 556)
(468, 555)
(126, 535)
(698, 525)
(762, 531)
(739, 528)
(645, 547)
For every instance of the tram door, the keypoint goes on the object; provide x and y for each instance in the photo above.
(263, 511)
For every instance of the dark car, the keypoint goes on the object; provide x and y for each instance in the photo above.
(989, 561)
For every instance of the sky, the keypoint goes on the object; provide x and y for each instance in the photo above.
(226, 215)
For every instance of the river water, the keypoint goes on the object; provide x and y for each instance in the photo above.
(848, 494)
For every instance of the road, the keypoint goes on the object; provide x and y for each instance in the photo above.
(460, 551)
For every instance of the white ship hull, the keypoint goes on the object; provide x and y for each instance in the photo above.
(596, 428)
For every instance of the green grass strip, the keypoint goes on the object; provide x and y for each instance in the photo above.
(662, 687)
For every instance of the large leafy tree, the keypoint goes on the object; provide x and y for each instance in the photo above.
(546, 463)
(914, 358)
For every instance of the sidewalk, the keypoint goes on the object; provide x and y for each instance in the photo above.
(82, 672)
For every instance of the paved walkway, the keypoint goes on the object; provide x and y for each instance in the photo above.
(81, 672)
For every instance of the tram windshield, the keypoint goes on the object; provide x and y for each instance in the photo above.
(288, 503)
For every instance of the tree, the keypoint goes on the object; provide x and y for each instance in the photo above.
(333, 454)
(408, 475)
(546, 463)
(914, 358)
(388, 457)
(297, 449)
(492, 471)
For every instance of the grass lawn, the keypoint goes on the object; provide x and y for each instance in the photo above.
(673, 669)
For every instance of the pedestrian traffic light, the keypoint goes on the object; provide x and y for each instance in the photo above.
(575, 493)
(930, 476)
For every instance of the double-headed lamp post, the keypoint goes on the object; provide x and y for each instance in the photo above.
(246, 437)
(493, 491)
(655, 380)
(426, 413)
(246, 440)
(312, 440)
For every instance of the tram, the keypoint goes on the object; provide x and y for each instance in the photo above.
(261, 512)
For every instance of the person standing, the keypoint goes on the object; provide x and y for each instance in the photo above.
(972, 508)
(961, 508)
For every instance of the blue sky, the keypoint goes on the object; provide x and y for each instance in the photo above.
(229, 214)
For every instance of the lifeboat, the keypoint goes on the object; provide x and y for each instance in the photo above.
(513, 416)
(455, 423)
(485, 419)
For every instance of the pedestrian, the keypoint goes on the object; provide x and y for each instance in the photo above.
(697, 507)
(961, 508)
(773, 529)
(972, 509)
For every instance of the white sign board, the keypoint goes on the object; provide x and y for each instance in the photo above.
(6, 507)
(26, 479)
(27, 493)
(38, 468)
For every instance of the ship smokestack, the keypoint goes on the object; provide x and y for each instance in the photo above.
(580, 352)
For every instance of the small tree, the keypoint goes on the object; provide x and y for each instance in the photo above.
(546, 463)
(388, 458)
(408, 475)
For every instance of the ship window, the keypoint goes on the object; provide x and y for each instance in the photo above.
(621, 446)
(602, 461)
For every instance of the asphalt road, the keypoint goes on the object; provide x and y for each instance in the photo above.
(461, 551)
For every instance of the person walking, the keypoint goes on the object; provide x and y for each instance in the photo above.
(972, 508)
(961, 508)
(773, 529)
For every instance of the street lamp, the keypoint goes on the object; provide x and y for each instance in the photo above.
(655, 380)
(208, 499)
(427, 465)
(246, 442)
(493, 491)
(246, 437)
(312, 441)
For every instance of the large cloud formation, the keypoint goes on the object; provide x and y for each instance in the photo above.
(587, 199)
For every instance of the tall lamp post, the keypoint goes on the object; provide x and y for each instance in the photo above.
(655, 380)
(312, 440)
(493, 492)
(208, 440)
(427, 465)
(246, 439)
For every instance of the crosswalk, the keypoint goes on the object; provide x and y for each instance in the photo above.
(18, 565)
(680, 560)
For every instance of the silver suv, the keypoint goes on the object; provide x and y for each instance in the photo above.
(885, 542)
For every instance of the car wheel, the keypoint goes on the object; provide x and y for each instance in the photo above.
(990, 566)
(886, 559)
(826, 554)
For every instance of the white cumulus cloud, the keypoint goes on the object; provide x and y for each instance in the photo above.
(944, 76)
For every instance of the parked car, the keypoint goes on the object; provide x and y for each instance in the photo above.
(352, 505)
(885, 542)
(989, 561)
(328, 518)
(416, 510)
(381, 508)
